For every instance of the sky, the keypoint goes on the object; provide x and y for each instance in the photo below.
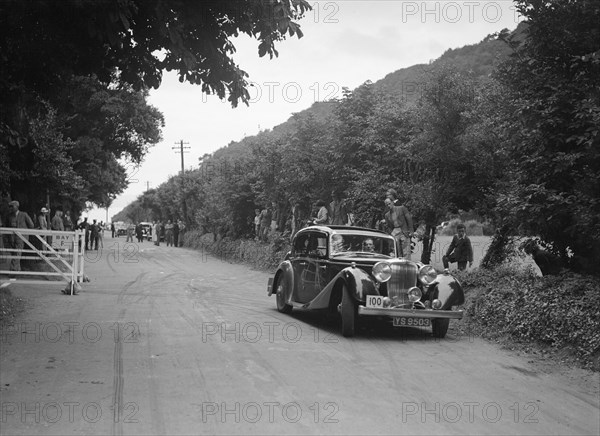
(345, 43)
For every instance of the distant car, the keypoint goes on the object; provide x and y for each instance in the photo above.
(355, 271)
(121, 229)
(146, 230)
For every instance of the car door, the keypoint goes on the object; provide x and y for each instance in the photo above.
(299, 260)
(311, 268)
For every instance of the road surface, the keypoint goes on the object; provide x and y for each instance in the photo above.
(169, 340)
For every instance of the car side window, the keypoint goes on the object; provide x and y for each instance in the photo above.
(301, 246)
(317, 245)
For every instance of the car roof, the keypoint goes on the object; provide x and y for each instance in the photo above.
(344, 229)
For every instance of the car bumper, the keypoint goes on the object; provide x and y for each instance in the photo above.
(411, 313)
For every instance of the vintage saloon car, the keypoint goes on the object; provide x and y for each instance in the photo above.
(356, 272)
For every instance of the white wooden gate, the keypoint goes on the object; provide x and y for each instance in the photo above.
(62, 251)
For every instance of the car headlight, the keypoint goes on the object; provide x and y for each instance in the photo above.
(414, 294)
(382, 271)
(427, 275)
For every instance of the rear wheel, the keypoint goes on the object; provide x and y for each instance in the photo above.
(349, 313)
(281, 288)
(439, 327)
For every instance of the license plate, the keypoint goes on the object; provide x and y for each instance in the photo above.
(401, 321)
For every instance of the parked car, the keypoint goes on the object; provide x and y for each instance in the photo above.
(146, 230)
(356, 272)
(120, 228)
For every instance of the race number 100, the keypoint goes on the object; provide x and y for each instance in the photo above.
(374, 301)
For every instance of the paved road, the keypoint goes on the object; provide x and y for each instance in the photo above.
(172, 341)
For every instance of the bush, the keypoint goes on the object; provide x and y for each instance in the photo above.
(255, 253)
(558, 311)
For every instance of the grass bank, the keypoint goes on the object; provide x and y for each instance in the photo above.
(556, 316)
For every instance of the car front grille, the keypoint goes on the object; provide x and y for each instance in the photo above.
(404, 277)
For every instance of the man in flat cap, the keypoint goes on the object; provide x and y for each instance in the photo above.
(20, 220)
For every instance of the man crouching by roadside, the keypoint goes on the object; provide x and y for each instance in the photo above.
(460, 250)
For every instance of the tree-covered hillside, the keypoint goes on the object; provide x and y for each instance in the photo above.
(508, 128)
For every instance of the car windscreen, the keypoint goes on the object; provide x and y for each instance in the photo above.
(345, 243)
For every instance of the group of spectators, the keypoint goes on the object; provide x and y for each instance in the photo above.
(395, 219)
(268, 220)
(171, 232)
(16, 218)
(60, 221)
(94, 233)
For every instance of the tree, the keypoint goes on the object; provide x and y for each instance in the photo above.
(554, 78)
(130, 41)
(54, 55)
(76, 147)
(440, 165)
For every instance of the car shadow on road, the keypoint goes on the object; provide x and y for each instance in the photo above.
(371, 328)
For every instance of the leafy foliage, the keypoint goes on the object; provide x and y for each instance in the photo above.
(90, 64)
(553, 78)
(559, 311)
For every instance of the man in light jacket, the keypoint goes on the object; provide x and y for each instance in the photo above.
(399, 222)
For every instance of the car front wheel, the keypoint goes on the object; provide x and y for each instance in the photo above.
(280, 292)
(439, 327)
(349, 313)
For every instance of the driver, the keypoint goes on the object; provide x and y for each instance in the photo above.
(369, 245)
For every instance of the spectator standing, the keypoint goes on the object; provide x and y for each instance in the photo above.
(257, 217)
(130, 232)
(162, 230)
(265, 223)
(460, 249)
(67, 221)
(85, 225)
(139, 232)
(391, 193)
(274, 217)
(57, 222)
(112, 230)
(156, 233)
(20, 220)
(42, 219)
(299, 217)
(101, 234)
(176, 233)
(181, 232)
(43, 224)
(322, 214)
(94, 235)
(338, 210)
(400, 225)
(169, 233)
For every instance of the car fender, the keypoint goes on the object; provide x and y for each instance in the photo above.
(448, 290)
(359, 283)
(285, 267)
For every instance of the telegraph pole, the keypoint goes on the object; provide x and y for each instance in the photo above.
(181, 150)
